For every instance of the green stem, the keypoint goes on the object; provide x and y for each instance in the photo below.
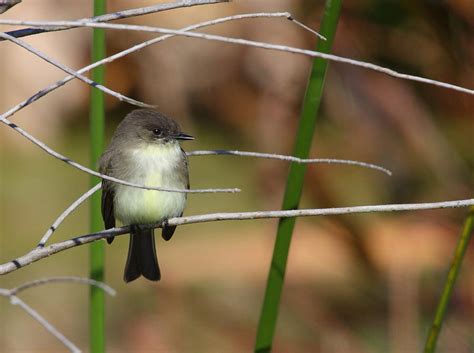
(97, 295)
(459, 252)
(294, 185)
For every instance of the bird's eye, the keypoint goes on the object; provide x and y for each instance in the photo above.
(156, 132)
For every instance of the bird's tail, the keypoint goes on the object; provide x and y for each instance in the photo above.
(141, 258)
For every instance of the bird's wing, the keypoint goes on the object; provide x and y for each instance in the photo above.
(108, 193)
(108, 205)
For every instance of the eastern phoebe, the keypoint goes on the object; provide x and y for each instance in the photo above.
(144, 150)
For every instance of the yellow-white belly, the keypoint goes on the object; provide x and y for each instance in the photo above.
(154, 165)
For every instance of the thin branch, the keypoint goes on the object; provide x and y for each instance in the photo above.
(69, 279)
(120, 15)
(43, 322)
(40, 253)
(6, 5)
(302, 25)
(70, 71)
(261, 45)
(66, 213)
(15, 300)
(289, 158)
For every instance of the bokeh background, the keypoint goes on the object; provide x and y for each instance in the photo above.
(359, 283)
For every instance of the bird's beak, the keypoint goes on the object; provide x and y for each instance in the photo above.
(183, 136)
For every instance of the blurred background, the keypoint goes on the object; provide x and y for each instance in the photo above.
(358, 283)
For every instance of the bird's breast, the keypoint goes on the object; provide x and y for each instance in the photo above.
(152, 165)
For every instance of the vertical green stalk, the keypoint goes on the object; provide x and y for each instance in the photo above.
(97, 296)
(453, 273)
(294, 185)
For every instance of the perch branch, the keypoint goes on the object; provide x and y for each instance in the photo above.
(40, 253)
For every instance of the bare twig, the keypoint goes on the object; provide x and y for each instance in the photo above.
(120, 15)
(43, 322)
(62, 279)
(70, 71)
(261, 45)
(66, 213)
(302, 25)
(15, 300)
(6, 5)
(289, 158)
(40, 253)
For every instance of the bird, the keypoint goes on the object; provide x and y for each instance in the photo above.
(145, 149)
